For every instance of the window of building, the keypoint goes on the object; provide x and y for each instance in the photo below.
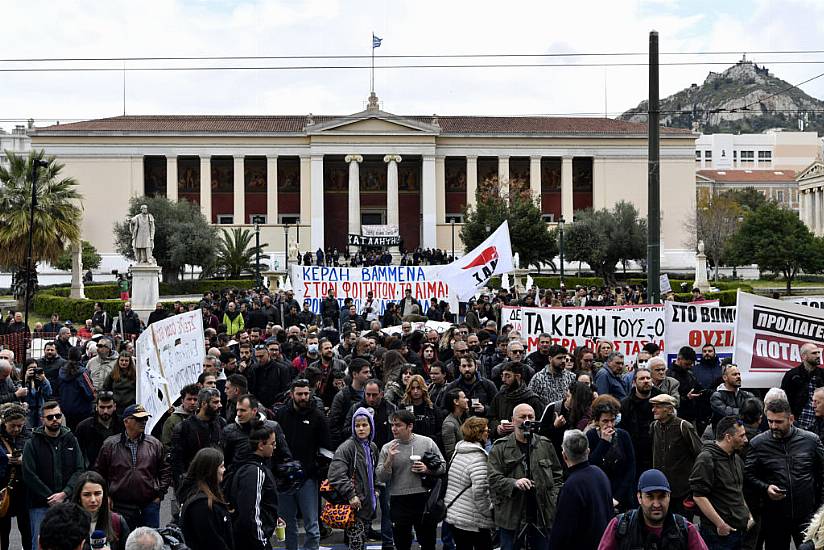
(457, 218)
(779, 196)
(747, 158)
(548, 218)
(225, 219)
(257, 219)
(708, 155)
(765, 157)
(698, 155)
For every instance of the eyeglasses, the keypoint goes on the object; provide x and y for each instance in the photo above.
(518, 351)
(55, 416)
(105, 395)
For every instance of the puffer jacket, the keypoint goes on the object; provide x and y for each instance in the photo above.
(99, 369)
(149, 478)
(506, 464)
(794, 463)
(472, 510)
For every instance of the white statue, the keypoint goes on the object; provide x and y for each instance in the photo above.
(142, 227)
(700, 247)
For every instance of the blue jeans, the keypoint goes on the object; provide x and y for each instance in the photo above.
(538, 540)
(386, 519)
(35, 518)
(135, 516)
(305, 500)
(714, 541)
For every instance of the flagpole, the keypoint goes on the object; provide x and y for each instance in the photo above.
(372, 79)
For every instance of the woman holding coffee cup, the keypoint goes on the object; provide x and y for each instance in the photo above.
(428, 419)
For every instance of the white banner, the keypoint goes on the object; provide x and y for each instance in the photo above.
(809, 301)
(169, 356)
(380, 231)
(627, 327)
(769, 335)
(388, 283)
(474, 270)
(696, 325)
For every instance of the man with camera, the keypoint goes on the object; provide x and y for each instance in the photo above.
(525, 478)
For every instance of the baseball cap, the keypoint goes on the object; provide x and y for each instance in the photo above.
(136, 411)
(653, 480)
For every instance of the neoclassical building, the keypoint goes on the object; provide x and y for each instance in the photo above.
(321, 177)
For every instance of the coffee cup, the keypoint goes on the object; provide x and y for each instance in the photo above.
(475, 401)
(414, 458)
(280, 530)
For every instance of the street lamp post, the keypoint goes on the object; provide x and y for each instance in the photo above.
(286, 248)
(453, 239)
(257, 255)
(35, 164)
(561, 246)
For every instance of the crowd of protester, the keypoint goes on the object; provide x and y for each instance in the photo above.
(460, 429)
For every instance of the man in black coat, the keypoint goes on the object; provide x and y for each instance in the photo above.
(360, 371)
(158, 314)
(636, 417)
(268, 379)
(689, 388)
(800, 382)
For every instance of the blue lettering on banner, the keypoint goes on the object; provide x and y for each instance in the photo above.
(400, 274)
(328, 274)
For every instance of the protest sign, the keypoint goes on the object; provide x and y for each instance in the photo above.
(769, 335)
(169, 356)
(388, 283)
(809, 301)
(696, 325)
(627, 327)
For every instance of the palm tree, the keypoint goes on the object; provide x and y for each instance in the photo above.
(236, 254)
(57, 214)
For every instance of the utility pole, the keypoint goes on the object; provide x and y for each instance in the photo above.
(653, 180)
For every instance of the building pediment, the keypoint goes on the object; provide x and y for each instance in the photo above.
(374, 122)
(814, 170)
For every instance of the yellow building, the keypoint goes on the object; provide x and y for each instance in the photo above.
(322, 177)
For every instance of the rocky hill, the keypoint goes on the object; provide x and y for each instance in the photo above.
(718, 104)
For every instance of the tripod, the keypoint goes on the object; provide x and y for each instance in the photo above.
(523, 538)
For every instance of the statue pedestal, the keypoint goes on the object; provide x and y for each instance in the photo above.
(145, 289)
(701, 281)
(77, 273)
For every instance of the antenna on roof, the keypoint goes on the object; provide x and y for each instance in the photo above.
(606, 115)
(124, 87)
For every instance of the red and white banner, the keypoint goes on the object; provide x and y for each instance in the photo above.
(769, 335)
(474, 270)
(627, 327)
(697, 325)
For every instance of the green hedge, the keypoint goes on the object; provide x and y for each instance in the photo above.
(112, 292)
(724, 297)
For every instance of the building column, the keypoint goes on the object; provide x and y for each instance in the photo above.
(566, 189)
(171, 178)
(802, 206)
(317, 220)
(471, 179)
(535, 178)
(272, 189)
(429, 234)
(354, 195)
(305, 199)
(206, 187)
(392, 214)
(819, 211)
(440, 190)
(810, 208)
(503, 175)
(239, 188)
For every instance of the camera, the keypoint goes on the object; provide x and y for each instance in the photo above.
(38, 371)
(529, 427)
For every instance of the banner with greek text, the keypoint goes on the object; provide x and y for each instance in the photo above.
(169, 356)
(387, 284)
(627, 327)
(769, 335)
(809, 301)
(696, 325)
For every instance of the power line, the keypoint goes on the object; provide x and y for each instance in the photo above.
(408, 66)
(400, 56)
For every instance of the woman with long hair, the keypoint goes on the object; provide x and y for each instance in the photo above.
(122, 381)
(392, 363)
(92, 494)
(429, 356)
(396, 387)
(14, 433)
(204, 517)
(427, 418)
(467, 492)
(76, 390)
(610, 448)
(571, 413)
(352, 474)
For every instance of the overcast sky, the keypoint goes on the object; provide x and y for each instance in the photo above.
(49, 29)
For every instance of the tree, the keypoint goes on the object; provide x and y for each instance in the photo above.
(236, 255)
(603, 238)
(57, 215)
(747, 198)
(531, 239)
(183, 236)
(716, 221)
(775, 239)
(91, 259)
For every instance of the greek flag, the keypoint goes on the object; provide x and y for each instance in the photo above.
(376, 42)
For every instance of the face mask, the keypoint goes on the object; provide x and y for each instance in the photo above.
(313, 348)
